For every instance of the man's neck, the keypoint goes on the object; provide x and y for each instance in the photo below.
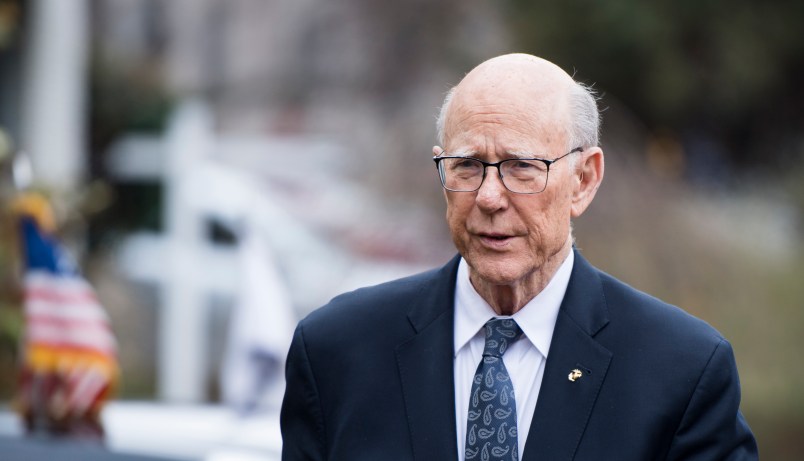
(509, 299)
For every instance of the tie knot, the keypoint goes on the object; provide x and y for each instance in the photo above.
(500, 333)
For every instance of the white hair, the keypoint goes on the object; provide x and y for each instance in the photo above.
(584, 127)
(442, 115)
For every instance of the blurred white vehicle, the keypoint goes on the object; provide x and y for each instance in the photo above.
(173, 432)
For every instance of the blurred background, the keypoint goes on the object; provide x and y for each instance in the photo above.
(220, 168)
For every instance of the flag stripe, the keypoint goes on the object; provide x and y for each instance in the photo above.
(52, 295)
(68, 323)
(69, 312)
(100, 341)
(69, 282)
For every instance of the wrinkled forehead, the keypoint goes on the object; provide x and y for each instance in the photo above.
(503, 113)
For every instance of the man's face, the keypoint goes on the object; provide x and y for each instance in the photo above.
(504, 236)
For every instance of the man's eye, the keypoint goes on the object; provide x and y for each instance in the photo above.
(529, 165)
(465, 164)
(524, 169)
(525, 165)
(522, 165)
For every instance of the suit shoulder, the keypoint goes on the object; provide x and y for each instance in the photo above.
(381, 304)
(391, 292)
(641, 312)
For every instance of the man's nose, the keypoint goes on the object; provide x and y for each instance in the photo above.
(492, 194)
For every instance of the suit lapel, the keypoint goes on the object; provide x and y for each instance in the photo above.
(425, 365)
(564, 406)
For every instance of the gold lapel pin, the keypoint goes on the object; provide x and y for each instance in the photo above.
(574, 375)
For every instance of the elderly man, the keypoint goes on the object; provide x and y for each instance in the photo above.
(518, 348)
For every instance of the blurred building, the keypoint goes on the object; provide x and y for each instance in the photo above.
(313, 120)
(366, 74)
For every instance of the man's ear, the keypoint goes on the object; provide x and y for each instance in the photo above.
(588, 176)
(437, 150)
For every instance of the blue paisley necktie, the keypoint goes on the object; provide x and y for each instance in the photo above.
(491, 432)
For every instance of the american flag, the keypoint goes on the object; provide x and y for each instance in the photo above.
(70, 352)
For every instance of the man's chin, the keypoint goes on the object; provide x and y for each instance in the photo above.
(500, 272)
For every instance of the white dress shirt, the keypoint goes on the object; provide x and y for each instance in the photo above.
(524, 359)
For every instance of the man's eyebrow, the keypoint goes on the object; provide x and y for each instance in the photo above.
(468, 152)
(461, 153)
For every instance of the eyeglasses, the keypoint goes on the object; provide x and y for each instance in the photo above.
(519, 175)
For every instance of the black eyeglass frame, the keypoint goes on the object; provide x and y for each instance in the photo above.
(547, 162)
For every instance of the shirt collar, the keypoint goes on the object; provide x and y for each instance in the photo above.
(537, 318)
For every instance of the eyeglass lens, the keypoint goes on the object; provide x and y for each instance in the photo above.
(466, 174)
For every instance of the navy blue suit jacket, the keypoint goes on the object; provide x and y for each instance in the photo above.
(370, 377)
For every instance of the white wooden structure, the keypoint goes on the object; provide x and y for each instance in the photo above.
(240, 181)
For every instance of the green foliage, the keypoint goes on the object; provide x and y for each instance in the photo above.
(10, 324)
(125, 100)
(733, 69)
(10, 299)
(10, 21)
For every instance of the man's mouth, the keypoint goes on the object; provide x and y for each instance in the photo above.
(495, 240)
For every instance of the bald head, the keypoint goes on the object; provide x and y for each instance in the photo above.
(528, 83)
(518, 70)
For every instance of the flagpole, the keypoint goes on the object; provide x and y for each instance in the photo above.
(34, 414)
(22, 171)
